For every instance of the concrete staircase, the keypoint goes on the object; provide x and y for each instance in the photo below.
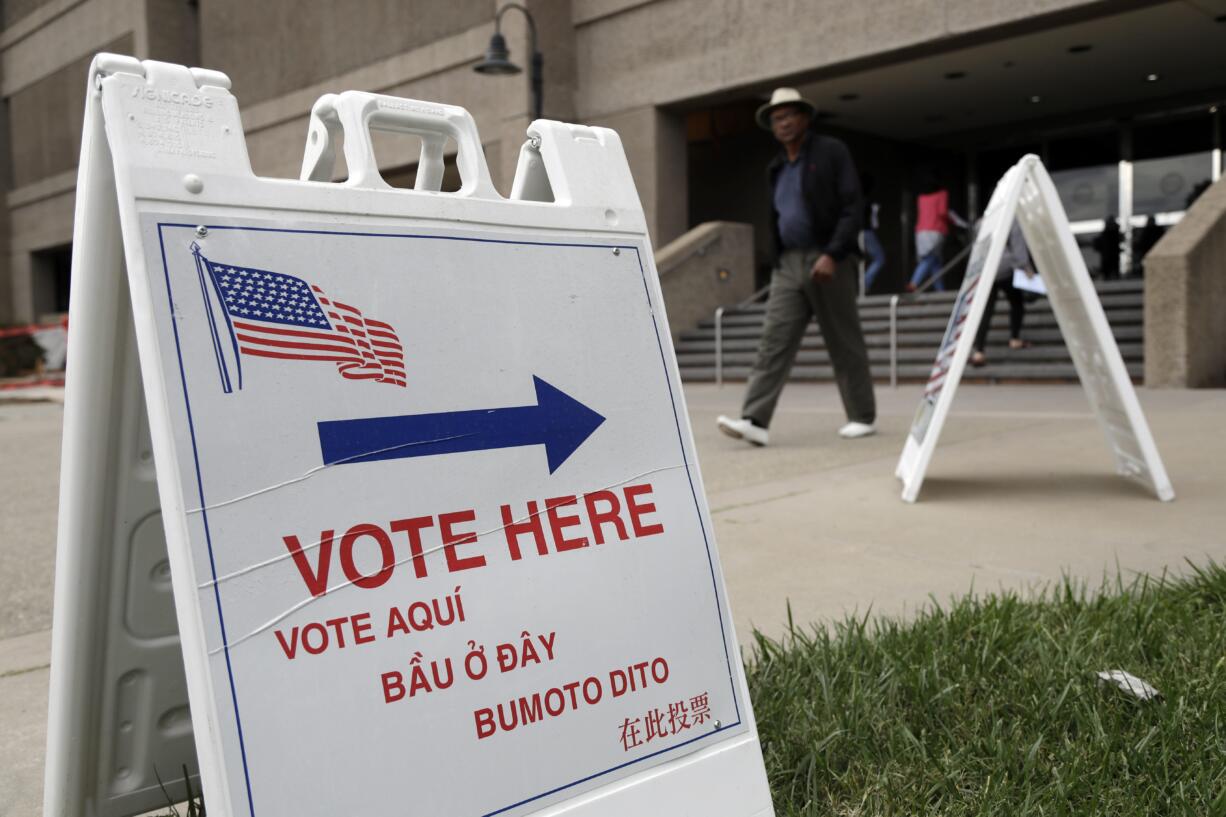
(921, 323)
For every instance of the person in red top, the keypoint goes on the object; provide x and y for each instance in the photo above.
(932, 221)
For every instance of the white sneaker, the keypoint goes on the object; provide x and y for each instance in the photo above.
(742, 430)
(853, 431)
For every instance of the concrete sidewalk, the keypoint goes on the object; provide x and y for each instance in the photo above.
(29, 484)
(1021, 490)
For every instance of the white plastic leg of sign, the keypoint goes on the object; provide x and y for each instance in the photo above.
(959, 335)
(1087, 334)
(406, 561)
(1027, 193)
(531, 180)
(118, 716)
(323, 134)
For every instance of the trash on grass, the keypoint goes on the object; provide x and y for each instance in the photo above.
(1129, 683)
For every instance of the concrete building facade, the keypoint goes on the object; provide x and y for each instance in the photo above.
(1119, 97)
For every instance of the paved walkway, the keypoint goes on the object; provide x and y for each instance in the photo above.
(1020, 491)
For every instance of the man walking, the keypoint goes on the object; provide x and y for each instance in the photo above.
(815, 202)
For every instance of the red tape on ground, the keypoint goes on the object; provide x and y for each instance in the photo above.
(30, 329)
(30, 384)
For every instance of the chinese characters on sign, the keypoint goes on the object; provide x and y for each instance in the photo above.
(656, 723)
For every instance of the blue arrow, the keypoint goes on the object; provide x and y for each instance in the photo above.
(557, 421)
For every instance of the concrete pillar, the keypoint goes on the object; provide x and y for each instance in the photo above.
(1185, 298)
(555, 30)
(1124, 209)
(672, 214)
(7, 285)
(21, 276)
(172, 31)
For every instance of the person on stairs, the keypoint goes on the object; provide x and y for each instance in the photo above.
(1014, 258)
(816, 208)
(873, 251)
(933, 218)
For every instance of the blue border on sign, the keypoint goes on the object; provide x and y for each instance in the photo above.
(706, 539)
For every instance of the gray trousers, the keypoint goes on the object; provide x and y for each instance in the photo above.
(795, 298)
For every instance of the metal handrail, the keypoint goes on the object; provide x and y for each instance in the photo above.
(895, 298)
(719, 331)
(894, 301)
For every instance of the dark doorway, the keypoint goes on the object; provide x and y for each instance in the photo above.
(52, 271)
(728, 154)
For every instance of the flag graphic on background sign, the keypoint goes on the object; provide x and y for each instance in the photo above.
(273, 315)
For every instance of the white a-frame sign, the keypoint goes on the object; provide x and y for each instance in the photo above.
(1026, 193)
(377, 501)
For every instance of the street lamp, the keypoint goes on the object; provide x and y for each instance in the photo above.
(497, 58)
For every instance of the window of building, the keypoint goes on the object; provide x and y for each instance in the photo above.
(1085, 169)
(1171, 160)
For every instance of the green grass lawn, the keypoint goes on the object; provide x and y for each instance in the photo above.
(990, 705)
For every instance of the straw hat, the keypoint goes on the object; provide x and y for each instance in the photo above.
(779, 98)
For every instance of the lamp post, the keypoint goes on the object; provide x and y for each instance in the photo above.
(497, 58)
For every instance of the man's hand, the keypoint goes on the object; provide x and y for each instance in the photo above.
(823, 268)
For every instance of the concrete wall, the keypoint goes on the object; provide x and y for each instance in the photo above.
(708, 267)
(1185, 298)
(272, 47)
(45, 119)
(636, 59)
(439, 68)
(45, 50)
(634, 53)
(13, 10)
(630, 64)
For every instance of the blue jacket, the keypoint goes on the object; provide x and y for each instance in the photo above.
(831, 189)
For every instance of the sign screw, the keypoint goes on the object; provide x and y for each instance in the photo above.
(202, 231)
(717, 724)
(617, 250)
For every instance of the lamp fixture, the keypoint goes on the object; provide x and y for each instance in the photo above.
(497, 60)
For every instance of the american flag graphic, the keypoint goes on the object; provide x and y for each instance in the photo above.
(273, 315)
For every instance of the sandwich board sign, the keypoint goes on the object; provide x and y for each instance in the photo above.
(435, 539)
(1026, 193)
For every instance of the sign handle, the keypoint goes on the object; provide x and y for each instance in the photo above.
(354, 114)
(323, 133)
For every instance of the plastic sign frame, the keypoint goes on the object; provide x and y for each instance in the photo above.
(1026, 193)
(186, 277)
